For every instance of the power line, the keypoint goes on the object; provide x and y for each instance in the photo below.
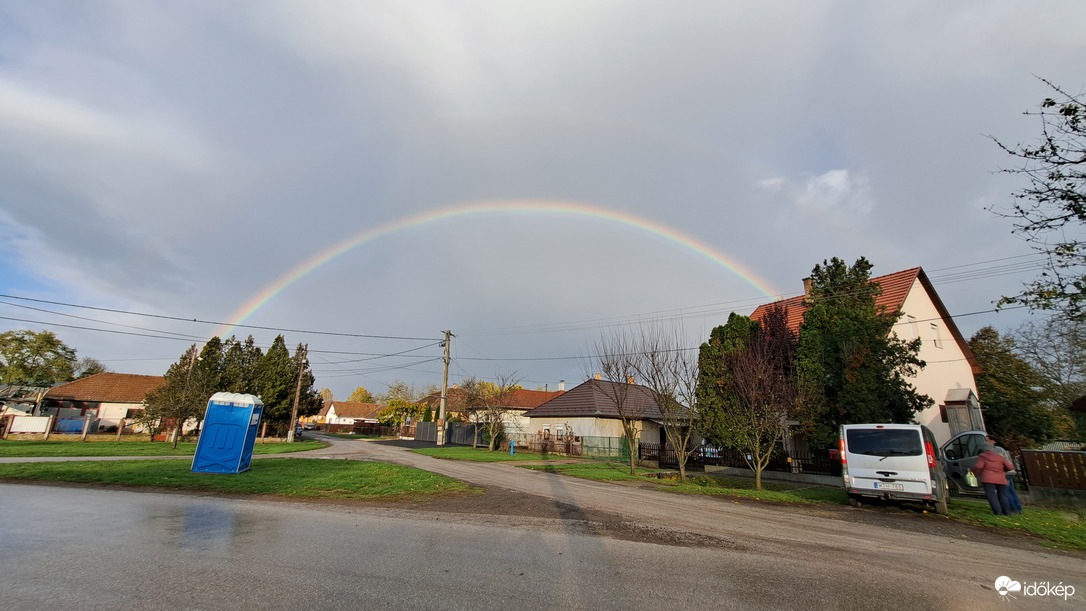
(217, 323)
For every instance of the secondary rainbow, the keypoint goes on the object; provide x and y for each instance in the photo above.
(299, 271)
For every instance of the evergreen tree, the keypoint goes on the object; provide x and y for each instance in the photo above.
(716, 381)
(853, 369)
(1016, 409)
(241, 366)
(189, 384)
(276, 381)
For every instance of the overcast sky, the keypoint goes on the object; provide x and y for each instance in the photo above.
(612, 162)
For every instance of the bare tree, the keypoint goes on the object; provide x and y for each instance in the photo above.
(495, 405)
(765, 392)
(617, 357)
(670, 369)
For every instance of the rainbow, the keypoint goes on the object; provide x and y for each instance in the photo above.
(270, 291)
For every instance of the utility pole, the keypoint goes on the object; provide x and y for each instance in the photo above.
(297, 394)
(444, 391)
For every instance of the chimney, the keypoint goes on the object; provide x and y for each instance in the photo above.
(561, 385)
(629, 379)
(806, 286)
(598, 376)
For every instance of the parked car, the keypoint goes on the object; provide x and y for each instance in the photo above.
(297, 431)
(897, 462)
(961, 454)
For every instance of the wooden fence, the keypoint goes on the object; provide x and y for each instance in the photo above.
(1063, 470)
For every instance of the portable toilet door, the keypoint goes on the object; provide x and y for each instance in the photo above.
(229, 433)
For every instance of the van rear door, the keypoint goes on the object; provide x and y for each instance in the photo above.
(887, 459)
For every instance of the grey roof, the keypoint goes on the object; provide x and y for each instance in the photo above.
(599, 398)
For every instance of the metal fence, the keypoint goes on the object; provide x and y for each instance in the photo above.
(603, 448)
(781, 461)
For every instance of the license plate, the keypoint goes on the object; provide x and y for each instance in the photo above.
(885, 486)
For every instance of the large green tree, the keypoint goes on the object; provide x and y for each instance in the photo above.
(241, 366)
(189, 384)
(1050, 211)
(716, 381)
(276, 382)
(35, 358)
(853, 369)
(1017, 411)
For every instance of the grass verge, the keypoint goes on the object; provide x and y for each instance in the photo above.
(34, 449)
(294, 477)
(1061, 529)
(480, 454)
(599, 471)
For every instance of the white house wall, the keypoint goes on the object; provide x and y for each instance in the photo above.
(594, 427)
(947, 366)
(110, 414)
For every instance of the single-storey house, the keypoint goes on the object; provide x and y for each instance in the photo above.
(948, 377)
(517, 403)
(591, 409)
(109, 397)
(344, 412)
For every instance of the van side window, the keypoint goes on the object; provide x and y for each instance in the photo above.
(967, 446)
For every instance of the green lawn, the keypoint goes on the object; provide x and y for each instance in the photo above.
(10, 448)
(296, 477)
(1064, 529)
(600, 471)
(480, 454)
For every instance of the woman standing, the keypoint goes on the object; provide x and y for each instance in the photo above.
(990, 471)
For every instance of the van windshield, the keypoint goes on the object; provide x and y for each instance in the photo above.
(884, 442)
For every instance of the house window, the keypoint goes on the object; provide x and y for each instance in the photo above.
(935, 339)
(942, 414)
(913, 333)
(546, 431)
(560, 432)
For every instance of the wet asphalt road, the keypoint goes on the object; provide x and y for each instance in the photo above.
(78, 548)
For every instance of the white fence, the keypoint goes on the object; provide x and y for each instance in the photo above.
(30, 424)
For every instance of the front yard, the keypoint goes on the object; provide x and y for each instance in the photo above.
(36, 449)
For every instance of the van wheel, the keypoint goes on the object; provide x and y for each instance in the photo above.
(854, 500)
(941, 507)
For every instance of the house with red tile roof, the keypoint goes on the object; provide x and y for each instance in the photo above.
(109, 397)
(517, 402)
(591, 409)
(948, 377)
(344, 412)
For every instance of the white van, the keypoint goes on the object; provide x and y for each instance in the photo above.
(893, 462)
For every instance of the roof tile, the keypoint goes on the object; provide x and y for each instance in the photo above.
(107, 388)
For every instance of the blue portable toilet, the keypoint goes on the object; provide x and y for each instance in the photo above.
(229, 433)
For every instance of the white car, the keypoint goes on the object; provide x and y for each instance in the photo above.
(897, 462)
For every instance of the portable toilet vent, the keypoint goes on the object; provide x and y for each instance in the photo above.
(229, 432)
